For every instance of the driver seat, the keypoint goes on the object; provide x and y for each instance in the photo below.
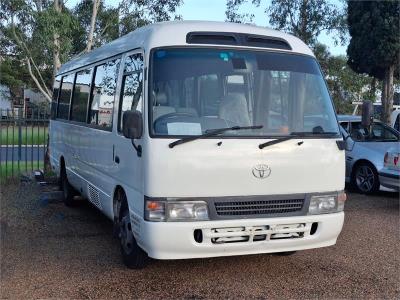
(160, 107)
(233, 108)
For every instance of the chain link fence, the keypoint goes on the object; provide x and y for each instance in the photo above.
(23, 140)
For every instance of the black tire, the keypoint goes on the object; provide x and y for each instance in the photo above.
(132, 255)
(286, 253)
(67, 189)
(365, 178)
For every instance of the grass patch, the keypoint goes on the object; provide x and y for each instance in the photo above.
(29, 135)
(12, 169)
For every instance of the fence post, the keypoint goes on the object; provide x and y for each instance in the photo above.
(19, 122)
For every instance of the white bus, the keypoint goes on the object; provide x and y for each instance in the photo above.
(201, 139)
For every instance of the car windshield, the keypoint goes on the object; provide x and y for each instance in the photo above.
(195, 90)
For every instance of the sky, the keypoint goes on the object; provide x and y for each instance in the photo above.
(214, 10)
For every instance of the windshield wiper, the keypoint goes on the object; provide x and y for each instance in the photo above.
(292, 136)
(211, 132)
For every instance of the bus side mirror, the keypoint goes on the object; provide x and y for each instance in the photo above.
(367, 114)
(132, 124)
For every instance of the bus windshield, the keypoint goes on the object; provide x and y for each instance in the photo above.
(195, 90)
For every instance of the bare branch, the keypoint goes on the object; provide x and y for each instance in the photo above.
(38, 85)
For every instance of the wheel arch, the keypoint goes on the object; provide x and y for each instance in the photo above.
(359, 162)
(116, 203)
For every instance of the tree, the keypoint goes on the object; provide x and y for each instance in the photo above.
(375, 44)
(344, 84)
(39, 35)
(36, 34)
(232, 11)
(306, 19)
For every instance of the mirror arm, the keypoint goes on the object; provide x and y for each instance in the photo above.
(138, 148)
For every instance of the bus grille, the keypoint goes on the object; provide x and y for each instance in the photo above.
(262, 207)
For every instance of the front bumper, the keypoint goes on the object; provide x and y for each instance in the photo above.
(175, 240)
(390, 179)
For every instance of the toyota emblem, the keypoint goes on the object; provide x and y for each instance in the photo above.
(261, 171)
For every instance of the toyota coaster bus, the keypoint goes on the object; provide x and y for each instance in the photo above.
(201, 139)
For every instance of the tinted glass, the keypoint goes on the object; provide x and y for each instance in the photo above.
(65, 96)
(132, 86)
(380, 133)
(54, 100)
(81, 95)
(194, 90)
(102, 103)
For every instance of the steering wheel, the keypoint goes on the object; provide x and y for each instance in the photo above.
(173, 115)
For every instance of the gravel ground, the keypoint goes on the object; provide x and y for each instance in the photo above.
(50, 251)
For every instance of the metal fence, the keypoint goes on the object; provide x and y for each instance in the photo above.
(23, 140)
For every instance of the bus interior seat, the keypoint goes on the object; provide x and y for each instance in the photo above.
(233, 108)
(160, 107)
(189, 110)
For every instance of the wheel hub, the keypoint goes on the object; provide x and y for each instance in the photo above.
(126, 235)
(365, 179)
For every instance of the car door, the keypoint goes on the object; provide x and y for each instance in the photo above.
(128, 163)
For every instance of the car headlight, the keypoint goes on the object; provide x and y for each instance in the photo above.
(323, 204)
(160, 210)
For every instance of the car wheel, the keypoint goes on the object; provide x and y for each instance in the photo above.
(67, 189)
(365, 178)
(133, 256)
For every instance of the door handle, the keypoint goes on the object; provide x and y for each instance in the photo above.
(116, 159)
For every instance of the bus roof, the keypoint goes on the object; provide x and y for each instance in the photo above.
(174, 33)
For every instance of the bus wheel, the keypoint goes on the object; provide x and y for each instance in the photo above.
(133, 256)
(67, 189)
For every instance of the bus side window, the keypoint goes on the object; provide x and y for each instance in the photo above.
(54, 100)
(80, 97)
(65, 96)
(132, 86)
(103, 94)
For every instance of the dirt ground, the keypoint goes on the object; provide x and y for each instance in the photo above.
(51, 251)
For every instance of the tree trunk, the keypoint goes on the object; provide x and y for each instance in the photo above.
(89, 45)
(56, 41)
(387, 95)
(372, 90)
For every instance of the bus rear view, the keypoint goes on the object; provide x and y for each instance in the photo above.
(235, 147)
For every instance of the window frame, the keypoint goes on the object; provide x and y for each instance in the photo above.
(56, 99)
(91, 68)
(96, 126)
(70, 97)
(122, 84)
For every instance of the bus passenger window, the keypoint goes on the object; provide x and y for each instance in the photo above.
(81, 95)
(54, 100)
(65, 96)
(103, 93)
(132, 86)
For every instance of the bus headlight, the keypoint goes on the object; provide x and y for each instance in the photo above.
(176, 211)
(323, 204)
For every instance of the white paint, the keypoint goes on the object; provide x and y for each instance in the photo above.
(196, 169)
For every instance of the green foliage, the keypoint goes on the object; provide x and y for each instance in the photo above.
(106, 26)
(29, 27)
(233, 14)
(306, 19)
(344, 84)
(375, 38)
(28, 34)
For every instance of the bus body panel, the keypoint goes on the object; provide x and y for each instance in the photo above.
(202, 168)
